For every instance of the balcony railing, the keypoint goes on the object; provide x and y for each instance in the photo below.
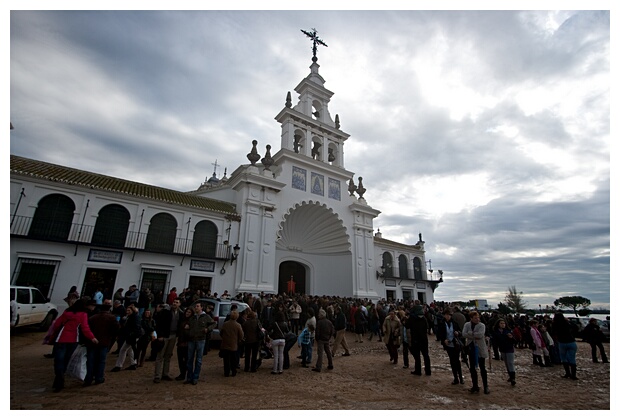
(395, 273)
(75, 233)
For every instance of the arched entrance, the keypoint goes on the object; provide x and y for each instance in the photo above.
(294, 270)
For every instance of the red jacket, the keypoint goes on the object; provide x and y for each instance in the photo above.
(66, 327)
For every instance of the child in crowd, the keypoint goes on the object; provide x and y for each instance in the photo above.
(304, 341)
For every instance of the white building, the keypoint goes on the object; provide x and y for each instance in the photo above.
(297, 215)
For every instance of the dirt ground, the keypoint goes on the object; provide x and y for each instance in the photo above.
(365, 381)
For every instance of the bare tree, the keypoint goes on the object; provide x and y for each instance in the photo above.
(514, 300)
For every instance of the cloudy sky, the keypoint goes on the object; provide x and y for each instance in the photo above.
(486, 131)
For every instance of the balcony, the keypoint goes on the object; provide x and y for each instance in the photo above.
(78, 234)
(392, 273)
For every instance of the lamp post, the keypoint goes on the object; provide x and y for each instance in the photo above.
(434, 283)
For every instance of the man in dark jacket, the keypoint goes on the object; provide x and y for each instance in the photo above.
(594, 336)
(340, 326)
(323, 334)
(418, 327)
(199, 325)
(166, 321)
(104, 327)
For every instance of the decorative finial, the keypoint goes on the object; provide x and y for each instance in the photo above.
(315, 40)
(360, 188)
(337, 122)
(288, 103)
(352, 187)
(267, 161)
(253, 156)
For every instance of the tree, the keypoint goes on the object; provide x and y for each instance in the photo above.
(514, 300)
(503, 309)
(574, 303)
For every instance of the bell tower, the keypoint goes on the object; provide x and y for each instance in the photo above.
(308, 128)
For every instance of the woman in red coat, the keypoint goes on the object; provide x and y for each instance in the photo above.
(67, 329)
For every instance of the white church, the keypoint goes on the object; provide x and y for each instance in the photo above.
(294, 222)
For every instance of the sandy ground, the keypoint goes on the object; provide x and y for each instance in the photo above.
(365, 381)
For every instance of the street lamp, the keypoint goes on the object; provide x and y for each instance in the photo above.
(235, 254)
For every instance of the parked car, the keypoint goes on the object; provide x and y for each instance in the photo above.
(31, 308)
(581, 323)
(221, 308)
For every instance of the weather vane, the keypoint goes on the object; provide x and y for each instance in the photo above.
(315, 40)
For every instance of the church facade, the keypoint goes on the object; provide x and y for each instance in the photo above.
(294, 222)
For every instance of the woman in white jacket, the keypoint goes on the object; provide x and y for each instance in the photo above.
(474, 333)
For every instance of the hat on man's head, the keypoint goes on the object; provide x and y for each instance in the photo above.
(417, 310)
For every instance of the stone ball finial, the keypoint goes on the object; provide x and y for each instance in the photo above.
(352, 187)
(253, 156)
(360, 188)
(267, 161)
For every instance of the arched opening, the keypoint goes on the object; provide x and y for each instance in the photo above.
(52, 218)
(387, 264)
(295, 272)
(403, 272)
(111, 226)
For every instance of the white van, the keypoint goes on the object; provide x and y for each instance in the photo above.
(31, 308)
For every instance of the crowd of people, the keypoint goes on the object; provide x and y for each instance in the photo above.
(271, 325)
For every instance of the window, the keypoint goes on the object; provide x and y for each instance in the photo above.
(23, 296)
(417, 269)
(36, 273)
(205, 240)
(37, 297)
(162, 233)
(387, 264)
(111, 227)
(402, 267)
(52, 218)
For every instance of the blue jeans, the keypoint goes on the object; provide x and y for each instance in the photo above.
(95, 364)
(306, 353)
(62, 354)
(194, 350)
(568, 352)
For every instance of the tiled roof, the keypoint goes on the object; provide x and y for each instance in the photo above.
(71, 176)
(394, 243)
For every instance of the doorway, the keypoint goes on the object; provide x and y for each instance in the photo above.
(99, 279)
(292, 278)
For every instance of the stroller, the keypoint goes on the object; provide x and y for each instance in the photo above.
(264, 351)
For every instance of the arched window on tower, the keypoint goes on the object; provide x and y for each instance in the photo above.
(317, 108)
(205, 240)
(52, 218)
(417, 268)
(162, 233)
(316, 148)
(332, 152)
(298, 142)
(402, 267)
(111, 227)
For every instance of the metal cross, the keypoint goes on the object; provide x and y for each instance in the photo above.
(315, 40)
(215, 165)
